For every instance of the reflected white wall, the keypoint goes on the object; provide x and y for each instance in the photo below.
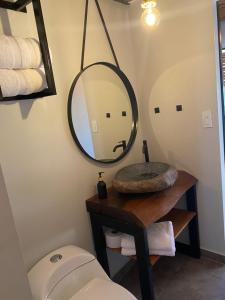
(80, 118)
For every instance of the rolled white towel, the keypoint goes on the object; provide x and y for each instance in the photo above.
(21, 82)
(10, 56)
(30, 53)
(160, 238)
(19, 53)
(9, 82)
(35, 81)
(27, 53)
(24, 86)
(37, 53)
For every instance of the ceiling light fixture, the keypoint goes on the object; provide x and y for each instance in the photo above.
(150, 15)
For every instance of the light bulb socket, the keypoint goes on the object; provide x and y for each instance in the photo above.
(148, 4)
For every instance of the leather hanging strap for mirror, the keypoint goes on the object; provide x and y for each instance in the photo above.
(105, 29)
(84, 34)
(107, 33)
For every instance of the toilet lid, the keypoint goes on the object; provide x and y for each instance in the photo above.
(101, 289)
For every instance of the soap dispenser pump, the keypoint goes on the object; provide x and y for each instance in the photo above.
(101, 187)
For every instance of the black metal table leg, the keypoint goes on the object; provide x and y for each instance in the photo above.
(193, 225)
(144, 265)
(99, 242)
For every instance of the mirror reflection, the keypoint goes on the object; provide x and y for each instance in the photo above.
(101, 113)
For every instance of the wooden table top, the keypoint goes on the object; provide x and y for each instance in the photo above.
(142, 209)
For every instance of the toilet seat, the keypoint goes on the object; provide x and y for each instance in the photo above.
(101, 289)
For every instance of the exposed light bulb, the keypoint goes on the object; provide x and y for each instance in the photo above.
(151, 15)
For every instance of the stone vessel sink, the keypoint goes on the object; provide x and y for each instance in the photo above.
(145, 178)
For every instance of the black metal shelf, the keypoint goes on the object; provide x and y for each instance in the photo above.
(44, 93)
(20, 6)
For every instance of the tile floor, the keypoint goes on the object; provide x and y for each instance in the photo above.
(183, 278)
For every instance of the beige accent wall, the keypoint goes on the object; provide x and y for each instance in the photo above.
(14, 282)
(178, 64)
(47, 178)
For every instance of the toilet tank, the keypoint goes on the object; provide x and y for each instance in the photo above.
(62, 273)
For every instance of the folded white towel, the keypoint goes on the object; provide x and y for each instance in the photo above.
(160, 240)
(132, 252)
(21, 82)
(19, 53)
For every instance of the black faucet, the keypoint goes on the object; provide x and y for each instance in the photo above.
(122, 144)
(145, 151)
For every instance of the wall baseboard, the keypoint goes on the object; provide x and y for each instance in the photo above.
(214, 256)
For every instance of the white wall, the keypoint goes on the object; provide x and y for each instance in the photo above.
(177, 65)
(47, 177)
(14, 283)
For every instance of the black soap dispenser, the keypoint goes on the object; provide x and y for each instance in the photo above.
(101, 187)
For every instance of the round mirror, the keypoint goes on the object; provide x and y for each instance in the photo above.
(103, 113)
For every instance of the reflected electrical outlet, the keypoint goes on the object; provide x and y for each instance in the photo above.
(157, 110)
(94, 125)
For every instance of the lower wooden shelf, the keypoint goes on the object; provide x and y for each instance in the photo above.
(180, 219)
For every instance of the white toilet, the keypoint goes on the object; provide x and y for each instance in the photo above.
(71, 273)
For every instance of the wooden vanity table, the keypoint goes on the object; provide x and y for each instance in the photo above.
(133, 214)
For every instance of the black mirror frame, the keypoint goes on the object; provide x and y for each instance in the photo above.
(134, 108)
